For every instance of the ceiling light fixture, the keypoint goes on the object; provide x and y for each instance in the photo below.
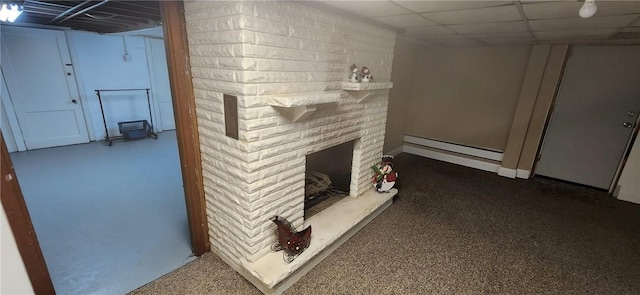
(588, 9)
(10, 12)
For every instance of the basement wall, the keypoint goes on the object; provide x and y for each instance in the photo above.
(467, 95)
(405, 67)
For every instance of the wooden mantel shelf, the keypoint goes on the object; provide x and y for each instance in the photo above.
(362, 91)
(299, 106)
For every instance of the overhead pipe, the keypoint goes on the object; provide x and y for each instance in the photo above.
(70, 10)
(84, 10)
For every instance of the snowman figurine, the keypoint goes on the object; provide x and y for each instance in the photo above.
(384, 177)
(354, 76)
(365, 74)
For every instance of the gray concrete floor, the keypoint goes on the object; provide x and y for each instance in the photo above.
(109, 219)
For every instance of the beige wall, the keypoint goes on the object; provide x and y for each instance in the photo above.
(467, 95)
(403, 78)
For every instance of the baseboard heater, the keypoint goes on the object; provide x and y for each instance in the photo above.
(478, 158)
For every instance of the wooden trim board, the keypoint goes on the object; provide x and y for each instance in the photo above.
(184, 108)
(21, 226)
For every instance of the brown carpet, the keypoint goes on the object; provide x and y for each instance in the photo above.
(456, 230)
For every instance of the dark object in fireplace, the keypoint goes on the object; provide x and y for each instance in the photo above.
(291, 241)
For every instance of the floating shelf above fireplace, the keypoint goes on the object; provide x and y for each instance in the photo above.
(362, 91)
(299, 106)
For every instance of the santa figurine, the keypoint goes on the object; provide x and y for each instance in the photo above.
(354, 76)
(384, 177)
(365, 74)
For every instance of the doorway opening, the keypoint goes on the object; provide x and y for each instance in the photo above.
(186, 155)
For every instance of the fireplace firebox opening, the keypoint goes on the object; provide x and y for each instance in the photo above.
(327, 177)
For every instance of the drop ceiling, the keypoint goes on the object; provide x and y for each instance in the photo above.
(474, 23)
(439, 23)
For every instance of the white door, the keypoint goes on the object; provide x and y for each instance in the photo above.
(42, 86)
(594, 117)
(161, 89)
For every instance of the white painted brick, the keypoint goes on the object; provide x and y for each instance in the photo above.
(322, 47)
(225, 50)
(257, 51)
(260, 25)
(243, 64)
(274, 12)
(194, 6)
(258, 112)
(261, 123)
(263, 48)
(202, 26)
(272, 77)
(333, 58)
(216, 11)
(225, 87)
(214, 74)
(325, 76)
(322, 25)
(226, 37)
(250, 101)
(228, 23)
(315, 35)
(277, 41)
(204, 62)
(285, 88)
(284, 157)
(297, 66)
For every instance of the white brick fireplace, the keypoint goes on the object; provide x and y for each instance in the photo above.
(287, 64)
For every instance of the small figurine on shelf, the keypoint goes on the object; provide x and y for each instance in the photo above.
(365, 74)
(354, 76)
(384, 177)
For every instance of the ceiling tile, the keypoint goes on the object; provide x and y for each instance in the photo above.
(617, 7)
(622, 41)
(581, 24)
(550, 10)
(369, 8)
(571, 41)
(538, 1)
(445, 37)
(504, 27)
(500, 35)
(482, 15)
(428, 31)
(507, 41)
(429, 6)
(586, 34)
(405, 20)
(455, 43)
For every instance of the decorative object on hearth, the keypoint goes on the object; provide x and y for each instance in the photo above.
(290, 240)
(365, 74)
(384, 177)
(354, 75)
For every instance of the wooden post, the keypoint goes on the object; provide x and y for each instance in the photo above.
(184, 108)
